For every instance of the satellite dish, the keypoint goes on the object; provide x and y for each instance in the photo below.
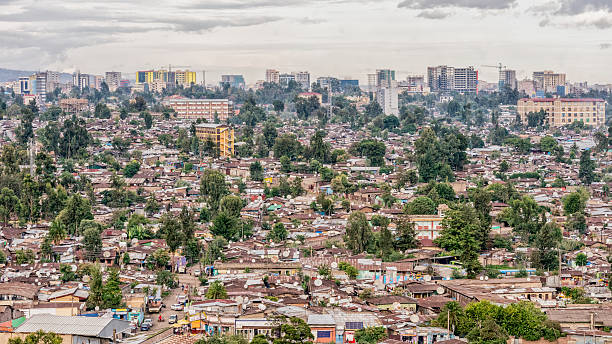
(253, 260)
(440, 290)
(528, 278)
(486, 278)
(286, 254)
(261, 307)
(334, 265)
(106, 254)
(239, 299)
(73, 267)
(427, 278)
(481, 278)
(80, 285)
(414, 318)
(318, 282)
(246, 286)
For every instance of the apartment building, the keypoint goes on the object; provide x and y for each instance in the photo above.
(272, 76)
(80, 80)
(180, 77)
(452, 79)
(74, 105)
(235, 81)
(221, 135)
(507, 77)
(548, 81)
(562, 111)
(387, 98)
(112, 80)
(208, 109)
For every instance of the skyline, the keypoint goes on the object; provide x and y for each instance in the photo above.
(325, 37)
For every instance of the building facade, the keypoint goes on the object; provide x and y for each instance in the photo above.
(548, 81)
(272, 76)
(563, 111)
(387, 98)
(180, 77)
(384, 77)
(208, 109)
(451, 79)
(112, 80)
(74, 105)
(221, 135)
(507, 77)
(235, 81)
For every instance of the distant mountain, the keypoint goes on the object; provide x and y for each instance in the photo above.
(12, 75)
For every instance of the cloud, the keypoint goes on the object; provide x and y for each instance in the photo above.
(573, 7)
(434, 14)
(200, 25)
(468, 4)
(604, 46)
(250, 4)
(575, 13)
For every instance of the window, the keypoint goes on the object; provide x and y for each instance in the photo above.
(323, 334)
(354, 325)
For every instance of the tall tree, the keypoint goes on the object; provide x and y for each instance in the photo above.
(587, 168)
(213, 188)
(359, 235)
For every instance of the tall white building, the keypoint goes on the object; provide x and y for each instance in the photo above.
(387, 98)
(272, 76)
(80, 80)
(112, 80)
(303, 78)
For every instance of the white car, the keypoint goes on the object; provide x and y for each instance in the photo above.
(148, 321)
(176, 307)
(196, 273)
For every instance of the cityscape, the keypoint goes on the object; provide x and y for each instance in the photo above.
(276, 191)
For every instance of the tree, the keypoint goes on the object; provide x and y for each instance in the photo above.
(77, 209)
(172, 232)
(370, 335)
(256, 171)
(462, 232)
(546, 242)
(587, 168)
(159, 259)
(95, 287)
(422, 205)
(9, 205)
(524, 215)
(152, 206)
(92, 243)
(231, 205)
(278, 105)
(216, 290)
(575, 202)
(111, 292)
(296, 331)
(131, 169)
(487, 332)
(372, 149)
(406, 236)
(278, 233)
(581, 259)
(548, 144)
(269, 134)
(38, 337)
(359, 235)
(225, 225)
(213, 188)
(148, 119)
(165, 278)
(287, 145)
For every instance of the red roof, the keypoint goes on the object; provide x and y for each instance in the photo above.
(563, 99)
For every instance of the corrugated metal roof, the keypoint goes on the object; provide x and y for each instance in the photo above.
(74, 325)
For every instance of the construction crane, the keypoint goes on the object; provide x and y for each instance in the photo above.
(170, 67)
(500, 67)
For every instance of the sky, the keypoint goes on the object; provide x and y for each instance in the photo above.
(341, 38)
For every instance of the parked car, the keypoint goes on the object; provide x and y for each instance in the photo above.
(145, 327)
(196, 272)
(177, 307)
(148, 321)
(173, 319)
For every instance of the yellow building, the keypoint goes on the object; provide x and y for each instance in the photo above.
(145, 76)
(221, 135)
(562, 111)
(179, 77)
(185, 77)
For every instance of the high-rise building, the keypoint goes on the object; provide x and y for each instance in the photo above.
(507, 77)
(180, 77)
(302, 78)
(53, 80)
(145, 76)
(548, 81)
(384, 77)
(41, 87)
(208, 109)
(221, 135)
(387, 98)
(451, 79)
(80, 80)
(562, 111)
(272, 76)
(185, 78)
(24, 86)
(285, 79)
(112, 80)
(235, 81)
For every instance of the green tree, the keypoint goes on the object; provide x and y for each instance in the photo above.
(581, 259)
(359, 235)
(38, 337)
(296, 331)
(131, 169)
(111, 292)
(487, 331)
(548, 144)
(213, 188)
(57, 232)
(278, 233)
(77, 209)
(546, 242)
(462, 233)
(586, 172)
(9, 205)
(148, 120)
(225, 225)
(422, 205)
(406, 235)
(256, 171)
(159, 259)
(165, 278)
(524, 215)
(575, 202)
(216, 290)
(95, 287)
(371, 335)
(92, 243)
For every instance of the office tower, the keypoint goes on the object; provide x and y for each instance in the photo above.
(548, 81)
(302, 78)
(53, 80)
(451, 79)
(384, 77)
(507, 77)
(184, 78)
(112, 80)
(80, 80)
(387, 98)
(209, 109)
(41, 87)
(235, 81)
(285, 79)
(144, 76)
(221, 135)
(272, 76)
(24, 85)
(562, 111)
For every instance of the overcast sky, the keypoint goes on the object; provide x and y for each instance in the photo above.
(343, 38)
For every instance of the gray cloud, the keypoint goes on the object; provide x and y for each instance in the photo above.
(573, 7)
(434, 14)
(469, 4)
(200, 25)
(604, 46)
(249, 4)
